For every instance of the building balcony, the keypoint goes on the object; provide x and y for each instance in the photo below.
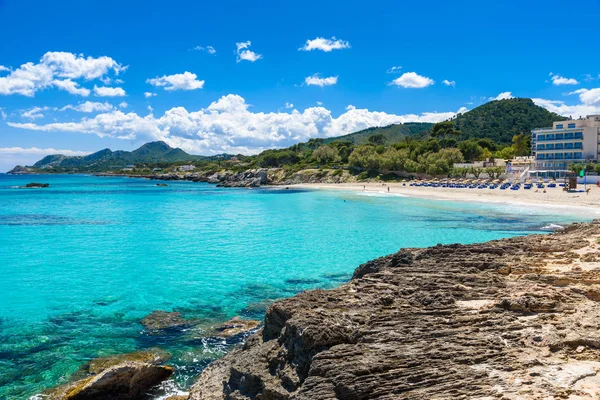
(563, 159)
(538, 140)
(552, 130)
(572, 149)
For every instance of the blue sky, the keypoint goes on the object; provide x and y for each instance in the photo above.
(244, 76)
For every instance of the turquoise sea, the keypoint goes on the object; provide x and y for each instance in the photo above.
(83, 261)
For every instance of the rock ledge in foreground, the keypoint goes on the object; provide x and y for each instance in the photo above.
(123, 377)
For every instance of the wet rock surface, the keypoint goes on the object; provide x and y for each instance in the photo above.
(516, 318)
(122, 377)
(237, 326)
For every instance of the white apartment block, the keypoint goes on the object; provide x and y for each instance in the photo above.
(566, 142)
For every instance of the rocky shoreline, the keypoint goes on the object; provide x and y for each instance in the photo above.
(516, 318)
(142, 374)
(253, 177)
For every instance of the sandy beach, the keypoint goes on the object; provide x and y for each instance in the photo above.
(578, 202)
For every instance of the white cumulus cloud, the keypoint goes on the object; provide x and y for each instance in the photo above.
(208, 49)
(289, 105)
(503, 96)
(41, 152)
(228, 125)
(325, 45)
(394, 70)
(89, 107)
(60, 70)
(413, 80)
(3, 68)
(316, 80)
(558, 80)
(149, 94)
(244, 53)
(105, 91)
(35, 112)
(449, 83)
(589, 103)
(72, 87)
(185, 81)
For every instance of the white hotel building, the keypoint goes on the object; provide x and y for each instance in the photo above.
(566, 142)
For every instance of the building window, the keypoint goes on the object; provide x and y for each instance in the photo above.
(540, 147)
(549, 147)
(578, 145)
(569, 136)
(570, 126)
(558, 146)
(560, 136)
(578, 135)
(578, 155)
(559, 126)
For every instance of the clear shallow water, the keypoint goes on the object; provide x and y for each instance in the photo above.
(82, 262)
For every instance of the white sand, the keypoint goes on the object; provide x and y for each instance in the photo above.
(579, 203)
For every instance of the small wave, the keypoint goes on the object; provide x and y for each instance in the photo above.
(381, 194)
(167, 389)
(552, 227)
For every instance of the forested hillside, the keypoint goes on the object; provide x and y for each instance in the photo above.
(502, 119)
(391, 133)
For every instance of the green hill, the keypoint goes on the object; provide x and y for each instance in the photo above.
(392, 133)
(150, 153)
(500, 120)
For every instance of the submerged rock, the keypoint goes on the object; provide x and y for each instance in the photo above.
(121, 377)
(161, 320)
(511, 319)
